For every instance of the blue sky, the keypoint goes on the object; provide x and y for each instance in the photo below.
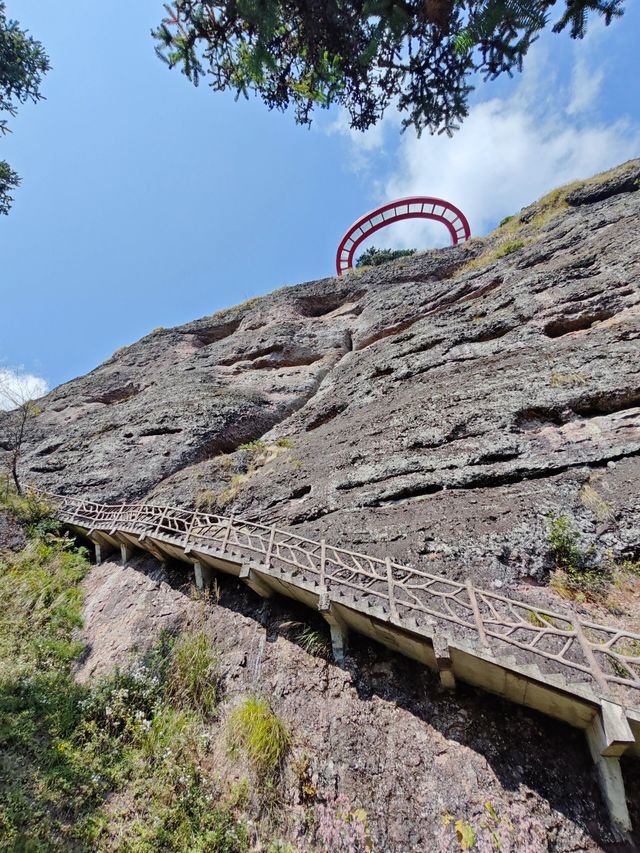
(147, 202)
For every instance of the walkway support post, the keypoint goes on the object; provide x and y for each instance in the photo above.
(102, 547)
(203, 575)
(251, 579)
(608, 736)
(443, 661)
(337, 626)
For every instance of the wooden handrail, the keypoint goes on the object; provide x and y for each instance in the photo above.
(411, 597)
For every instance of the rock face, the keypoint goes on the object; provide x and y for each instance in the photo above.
(436, 409)
(12, 536)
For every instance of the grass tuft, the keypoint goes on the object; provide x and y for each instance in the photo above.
(256, 730)
(194, 678)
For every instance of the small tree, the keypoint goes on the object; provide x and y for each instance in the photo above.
(18, 398)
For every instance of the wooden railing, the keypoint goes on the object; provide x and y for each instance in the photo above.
(604, 658)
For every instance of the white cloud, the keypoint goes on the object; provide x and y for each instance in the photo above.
(507, 153)
(16, 387)
(585, 87)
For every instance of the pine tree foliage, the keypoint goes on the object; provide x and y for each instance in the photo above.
(9, 180)
(360, 54)
(373, 257)
(23, 64)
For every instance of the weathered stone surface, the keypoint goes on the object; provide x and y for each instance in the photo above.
(435, 412)
(12, 536)
(124, 612)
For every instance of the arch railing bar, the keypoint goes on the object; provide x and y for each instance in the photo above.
(608, 655)
(412, 207)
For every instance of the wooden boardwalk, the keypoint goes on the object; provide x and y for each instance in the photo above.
(579, 671)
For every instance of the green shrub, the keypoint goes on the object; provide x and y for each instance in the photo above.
(257, 731)
(40, 604)
(30, 508)
(206, 500)
(136, 736)
(576, 569)
(373, 257)
(253, 446)
(314, 642)
(284, 441)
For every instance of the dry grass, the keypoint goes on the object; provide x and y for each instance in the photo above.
(573, 379)
(522, 228)
(594, 502)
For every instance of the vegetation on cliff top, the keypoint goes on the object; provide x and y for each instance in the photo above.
(373, 257)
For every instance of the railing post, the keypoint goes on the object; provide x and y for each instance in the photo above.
(589, 655)
(117, 517)
(476, 613)
(323, 563)
(73, 514)
(272, 536)
(227, 534)
(160, 520)
(393, 610)
(192, 521)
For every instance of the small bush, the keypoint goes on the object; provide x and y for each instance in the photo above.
(373, 257)
(257, 731)
(253, 446)
(573, 379)
(601, 508)
(206, 500)
(284, 441)
(230, 491)
(30, 507)
(576, 569)
(314, 642)
(563, 539)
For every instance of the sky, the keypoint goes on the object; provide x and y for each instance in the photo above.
(147, 202)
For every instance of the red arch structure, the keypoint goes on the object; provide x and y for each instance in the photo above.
(412, 207)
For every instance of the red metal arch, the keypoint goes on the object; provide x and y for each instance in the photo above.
(412, 207)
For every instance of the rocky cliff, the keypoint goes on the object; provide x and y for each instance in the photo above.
(437, 409)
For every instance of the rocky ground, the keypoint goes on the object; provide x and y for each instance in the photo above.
(437, 409)
(379, 733)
